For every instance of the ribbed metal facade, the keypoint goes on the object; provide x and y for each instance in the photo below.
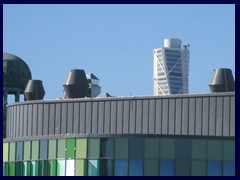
(201, 115)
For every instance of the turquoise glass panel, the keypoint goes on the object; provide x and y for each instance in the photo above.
(93, 167)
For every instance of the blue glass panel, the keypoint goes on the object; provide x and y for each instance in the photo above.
(229, 169)
(166, 168)
(136, 148)
(183, 148)
(214, 168)
(135, 167)
(43, 149)
(121, 167)
(19, 154)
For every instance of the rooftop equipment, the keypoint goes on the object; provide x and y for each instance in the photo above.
(34, 90)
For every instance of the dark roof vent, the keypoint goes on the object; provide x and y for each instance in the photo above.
(34, 90)
(76, 84)
(222, 81)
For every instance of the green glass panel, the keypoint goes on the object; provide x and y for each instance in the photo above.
(5, 169)
(5, 152)
(106, 167)
(151, 167)
(151, 148)
(229, 150)
(26, 155)
(52, 168)
(214, 150)
(19, 152)
(43, 168)
(34, 168)
(43, 149)
(121, 148)
(199, 149)
(12, 169)
(167, 148)
(93, 148)
(19, 168)
(12, 151)
(81, 168)
(70, 152)
(199, 168)
(106, 147)
(183, 167)
(81, 148)
(35, 150)
(93, 167)
(61, 167)
(136, 148)
(52, 149)
(26, 168)
(61, 148)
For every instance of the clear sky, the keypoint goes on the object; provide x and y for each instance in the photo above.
(116, 42)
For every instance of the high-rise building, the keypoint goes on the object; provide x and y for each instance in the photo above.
(171, 68)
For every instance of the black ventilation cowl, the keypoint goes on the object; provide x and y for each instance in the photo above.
(34, 90)
(76, 84)
(222, 81)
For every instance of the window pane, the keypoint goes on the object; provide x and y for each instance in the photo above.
(183, 148)
(26, 168)
(52, 149)
(135, 168)
(93, 148)
(199, 149)
(12, 151)
(229, 169)
(43, 168)
(136, 148)
(61, 148)
(151, 167)
(27, 150)
(106, 167)
(52, 168)
(167, 168)
(167, 147)
(182, 168)
(151, 148)
(5, 152)
(5, 169)
(61, 167)
(229, 150)
(81, 168)
(106, 146)
(43, 149)
(70, 148)
(121, 168)
(81, 148)
(34, 168)
(19, 153)
(214, 169)
(70, 166)
(19, 169)
(93, 167)
(12, 169)
(121, 148)
(35, 149)
(215, 150)
(199, 168)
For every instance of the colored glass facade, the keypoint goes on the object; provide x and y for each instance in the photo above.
(138, 155)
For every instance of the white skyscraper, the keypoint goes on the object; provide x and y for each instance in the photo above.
(171, 68)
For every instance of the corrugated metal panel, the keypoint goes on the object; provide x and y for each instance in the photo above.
(201, 115)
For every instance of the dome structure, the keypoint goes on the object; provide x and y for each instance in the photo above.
(16, 73)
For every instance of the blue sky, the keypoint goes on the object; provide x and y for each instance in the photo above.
(116, 42)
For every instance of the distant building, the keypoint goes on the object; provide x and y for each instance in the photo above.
(171, 68)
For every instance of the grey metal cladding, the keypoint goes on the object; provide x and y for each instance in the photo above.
(200, 115)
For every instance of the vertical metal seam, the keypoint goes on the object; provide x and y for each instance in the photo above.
(215, 119)
(175, 115)
(103, 117)
(122, 116)
(208, 117)
(230, 114)
(154, 117)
